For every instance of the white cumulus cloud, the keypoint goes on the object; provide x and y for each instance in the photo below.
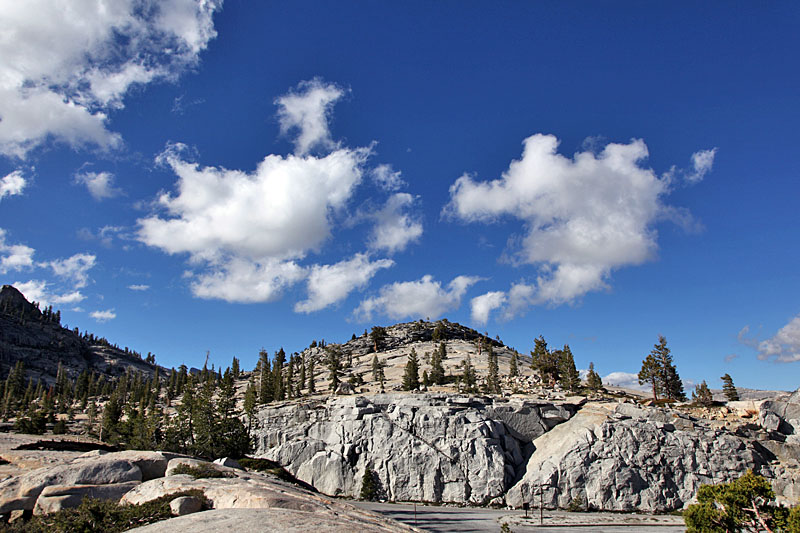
(65, 65)
(247, 281)
(103, 316)
(395, 228)
(307, 112)
(484, 304)
(387, 178)
(584, 217)
(75, 268)
(329, 284)
(14, 256)
(702, 162)
(424, 297)
(783, 347)
(12, 184)
(39, 291)
(99, 184)
(245, 232)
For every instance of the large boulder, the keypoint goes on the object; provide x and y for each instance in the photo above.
(20, 493)
(57, 497)
(629, 458)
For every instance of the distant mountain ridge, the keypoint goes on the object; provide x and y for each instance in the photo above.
(37, 338)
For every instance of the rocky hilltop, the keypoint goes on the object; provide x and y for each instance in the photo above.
(37, 338)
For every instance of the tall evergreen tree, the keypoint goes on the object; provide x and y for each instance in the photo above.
(728, 388)
(702, 395)
(312, 386)
(468, 378)
(513, 367)
(568, 374)
(411, 375)
(277, 370)
(334, 362)
(650, 374)
(265, 393)
(377, 336)
(593, 380)
(493, 377)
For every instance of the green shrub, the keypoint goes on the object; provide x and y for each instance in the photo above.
(102, 515)
(745, 504)
(203, 470)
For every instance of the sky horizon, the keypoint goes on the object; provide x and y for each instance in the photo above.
(190, 176)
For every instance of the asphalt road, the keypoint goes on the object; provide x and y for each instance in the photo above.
(440, 519)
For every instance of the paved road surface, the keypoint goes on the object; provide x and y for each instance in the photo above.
(440, 519)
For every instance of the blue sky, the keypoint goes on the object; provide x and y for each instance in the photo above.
(185, 176)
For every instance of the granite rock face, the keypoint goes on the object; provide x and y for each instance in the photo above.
(624, 458)
(426, 447)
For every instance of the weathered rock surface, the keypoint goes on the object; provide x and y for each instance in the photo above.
(278, 520)
(623, 457)
(21, 492)
(184, 505)
(57, 497)
(427, 447)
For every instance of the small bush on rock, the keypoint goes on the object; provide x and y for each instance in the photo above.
(200, 471)
(103, 515)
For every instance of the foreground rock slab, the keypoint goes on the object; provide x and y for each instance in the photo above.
(278, 520)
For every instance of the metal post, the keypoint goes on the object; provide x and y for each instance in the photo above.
(541, 505)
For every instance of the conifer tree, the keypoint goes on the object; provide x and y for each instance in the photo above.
(513, 367)
(376, 366)
(277, 370)
(650, 373)
(112, 413)
(235, 367)
(301, 379)
(312, 386)
(659, 371)
(593, 380)
(702, 395)
(468, 377)
(334, 362)
(728, 388)
(265, 392)
(377, 336)
(568, 374)
(492, 378)
(411, 375)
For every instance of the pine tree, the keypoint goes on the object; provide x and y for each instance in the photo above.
(702, 395)
(513, 368)
(650, 373)
(312, 386)
(377, 336)
(411, 375)
(468, 377)
(301, 379)
(112, 413)
(334, 362)
(376, 365)
(437, 369)
(670, 380)
(728, 388)
(492, 378)
(277, 379)
(265, 393)
(593, 380)
(568, 374)
(235, 367)
(659, 371)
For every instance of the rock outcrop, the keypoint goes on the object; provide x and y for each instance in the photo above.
(621, 457)
(134, 477)
(426, 447)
